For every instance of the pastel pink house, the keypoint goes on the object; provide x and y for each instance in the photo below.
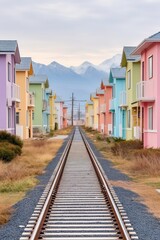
(148, 90)
(107, 87)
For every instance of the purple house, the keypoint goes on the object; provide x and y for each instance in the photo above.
(9, 91)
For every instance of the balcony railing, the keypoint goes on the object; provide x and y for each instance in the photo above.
(123, 99)
(145, 91)
(112, 104)
(15, 94)
(31, 102)
(103, 108)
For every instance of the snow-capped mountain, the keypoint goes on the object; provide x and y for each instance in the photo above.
(82, 68)
(82, 80)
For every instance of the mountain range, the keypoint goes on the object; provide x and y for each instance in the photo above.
(81, 80)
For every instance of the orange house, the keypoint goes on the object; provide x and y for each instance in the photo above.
(107, 87)
(25, 109)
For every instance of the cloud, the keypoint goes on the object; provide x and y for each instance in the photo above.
(83, 29)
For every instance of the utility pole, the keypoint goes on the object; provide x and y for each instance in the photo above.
(72, 109)
(79, 113)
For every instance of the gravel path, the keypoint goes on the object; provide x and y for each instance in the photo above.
(144, 223)
(146, 226)
(24, 209)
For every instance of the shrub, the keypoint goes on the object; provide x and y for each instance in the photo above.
(147, 161)
(100, 137)
(8, 151)
(123, 148)
(5, 136)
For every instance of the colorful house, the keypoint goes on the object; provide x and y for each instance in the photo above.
(148, 89)
(24, 110)
(107, 87)
(117, 79)
(101, 110)
(59, 112)
(46, 112)
(65, 122)
(94, 99)
(52, 115)
(89, 114)
(128, 99)
(37, 86)
(9, 90)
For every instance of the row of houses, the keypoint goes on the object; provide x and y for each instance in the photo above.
(27, 104)
(127, 104)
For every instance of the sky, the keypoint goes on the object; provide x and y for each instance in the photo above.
(73, 31)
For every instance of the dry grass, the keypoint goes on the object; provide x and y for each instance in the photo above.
(19, 175)
(64, 131)
(141, 165)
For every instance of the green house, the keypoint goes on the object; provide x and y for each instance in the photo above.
(129, 99)
(37, 85)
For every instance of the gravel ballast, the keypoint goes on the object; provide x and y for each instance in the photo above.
(144, 223)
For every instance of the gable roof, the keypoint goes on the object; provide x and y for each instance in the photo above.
(118, 72)
(38, 79)
(127, 56)
(105, 82)
(89, 102)
(58, 99)
(93, 95)
(146, 43)
(48, 90)
(10, 46)
(100, 91)
(25, 64)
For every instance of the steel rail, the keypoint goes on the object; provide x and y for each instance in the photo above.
(106, 188)
(38, 226)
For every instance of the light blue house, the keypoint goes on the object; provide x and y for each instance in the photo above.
(46, 113)
(117, 78)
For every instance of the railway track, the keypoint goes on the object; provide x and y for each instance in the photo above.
(78, 202)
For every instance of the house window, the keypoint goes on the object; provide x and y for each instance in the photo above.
(9, 72)
(129, 79)
(9, 117)
(150, 67)
(150, 118)
(32, 115)
(128, 118)
(17, 117)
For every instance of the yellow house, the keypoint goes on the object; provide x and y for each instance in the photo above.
(52, 116)
(24, 110)
(89, 114)
(94, 99)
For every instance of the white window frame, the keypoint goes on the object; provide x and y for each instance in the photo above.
(150, 118)
(150, 67)
(129, 79)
